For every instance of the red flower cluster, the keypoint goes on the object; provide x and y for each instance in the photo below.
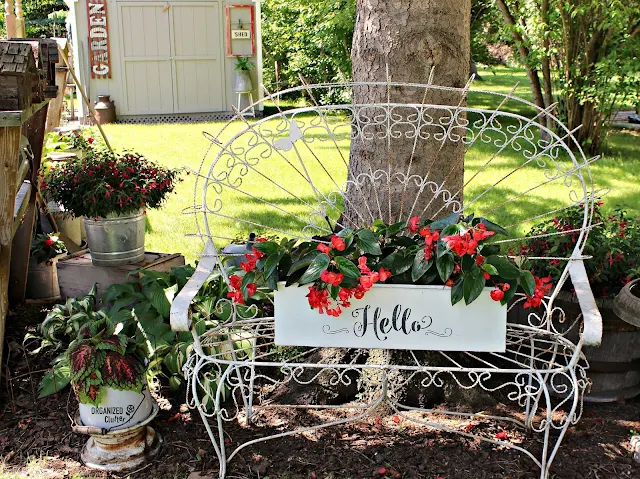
(431, 240)
(49, 242)
(336, 243)
(543, 286)
(467, 243)
(413, 224)
(319, 298)
(252, 258)
(235, 294)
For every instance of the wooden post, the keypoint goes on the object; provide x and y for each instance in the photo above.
(9, 147)
(10, 18)
(20, 30)
(55, 105)
(33, 129)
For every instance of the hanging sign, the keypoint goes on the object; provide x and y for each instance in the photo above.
(240, 34)
(98, 39)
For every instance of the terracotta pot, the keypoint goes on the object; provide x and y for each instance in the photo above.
(105, 109)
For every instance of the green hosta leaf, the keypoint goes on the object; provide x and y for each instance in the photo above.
(347, 268)
(367, 241)
(420, 266)
(55, 380)
(116, 290)
(528, 282)
(506, 269)
(457, 291)
(268, 247)
(304, 262)
(160, 301)
(452, 219)
(445, 265)
(315, 269)
(171, 292)
(401, 263)
(473, 285)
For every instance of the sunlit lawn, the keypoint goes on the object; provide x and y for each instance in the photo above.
(184, 145)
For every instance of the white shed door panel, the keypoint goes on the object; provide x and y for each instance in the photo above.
(148, 79)
(172, 59)
(197, 57)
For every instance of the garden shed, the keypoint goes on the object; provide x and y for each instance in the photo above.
(167, 60)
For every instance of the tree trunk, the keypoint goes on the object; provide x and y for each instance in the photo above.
(409, 37)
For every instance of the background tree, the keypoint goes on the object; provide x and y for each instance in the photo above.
(43, 18)
(583, 53)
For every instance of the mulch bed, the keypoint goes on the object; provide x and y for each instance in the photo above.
(35, 438)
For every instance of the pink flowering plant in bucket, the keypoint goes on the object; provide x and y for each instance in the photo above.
(106, 183)
(454, 252)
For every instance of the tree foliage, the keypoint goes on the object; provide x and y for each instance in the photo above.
(313, 38)
(586, 52)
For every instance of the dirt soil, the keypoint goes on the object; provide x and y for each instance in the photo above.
(36, 439)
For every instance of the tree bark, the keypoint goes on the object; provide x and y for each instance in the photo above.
(532, 73)
(409, 37)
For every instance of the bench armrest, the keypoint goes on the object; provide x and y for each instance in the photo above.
(179, 315)
(592, 332)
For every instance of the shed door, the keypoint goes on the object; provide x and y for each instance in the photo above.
(146, 49)
(172, 57)
(197, 57)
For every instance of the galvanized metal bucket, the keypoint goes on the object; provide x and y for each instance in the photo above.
(116, 240)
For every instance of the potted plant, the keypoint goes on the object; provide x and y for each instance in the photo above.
(108, 377)
(77, 141)
(42, 277)
(378, 277)
(243, 67)
(110, 191)
(613, 270)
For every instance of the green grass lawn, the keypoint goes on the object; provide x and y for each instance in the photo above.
(178, 145)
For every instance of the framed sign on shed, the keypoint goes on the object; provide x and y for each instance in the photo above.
(240, 30)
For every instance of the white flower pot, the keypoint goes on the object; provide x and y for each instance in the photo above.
(394, 316)
(118, 409)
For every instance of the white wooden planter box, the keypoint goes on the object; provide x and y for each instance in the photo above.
(394, 317)
(118, 409)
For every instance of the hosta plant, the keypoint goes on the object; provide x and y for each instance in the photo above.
(455, 252)
(100, 357)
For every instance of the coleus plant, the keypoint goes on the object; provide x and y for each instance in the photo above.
(100, 357)
(454, 252)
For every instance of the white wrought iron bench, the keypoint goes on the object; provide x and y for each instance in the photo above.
(286, 175)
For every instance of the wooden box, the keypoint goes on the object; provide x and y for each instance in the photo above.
(76, 273)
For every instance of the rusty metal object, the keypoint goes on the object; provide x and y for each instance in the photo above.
(120, 450)
(627, 304)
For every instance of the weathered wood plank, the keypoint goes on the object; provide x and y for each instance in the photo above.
(9, 145)
(18, 117)
(9, 148)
